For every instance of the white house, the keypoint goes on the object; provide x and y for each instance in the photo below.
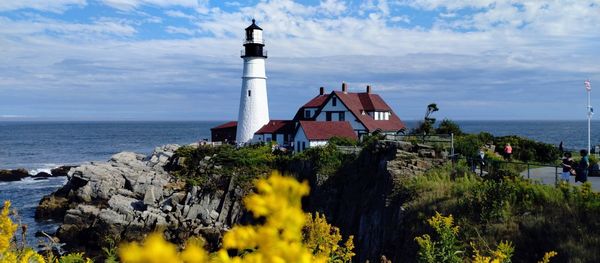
(317, 133)
(277, 131)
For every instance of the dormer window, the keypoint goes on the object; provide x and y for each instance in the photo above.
(307, 114)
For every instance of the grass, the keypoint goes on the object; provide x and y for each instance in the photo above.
(536, 218)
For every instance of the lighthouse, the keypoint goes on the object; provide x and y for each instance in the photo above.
(254, 107)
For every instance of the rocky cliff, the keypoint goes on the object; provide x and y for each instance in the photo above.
(132, 195)
(363, 199)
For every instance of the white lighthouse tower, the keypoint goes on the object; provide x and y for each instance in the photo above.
(254, 107)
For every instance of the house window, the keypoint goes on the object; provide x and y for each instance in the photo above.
(249, 93)
(334, 102)
(342, 116)
(303, 146)
(328, 116)
(307, 114)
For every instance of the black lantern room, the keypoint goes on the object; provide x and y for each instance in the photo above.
(254, 43)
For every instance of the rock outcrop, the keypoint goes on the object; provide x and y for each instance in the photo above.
(13, 175)
(362, 200)
(132, 195)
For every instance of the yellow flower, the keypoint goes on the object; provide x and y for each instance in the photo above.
(277, 240)
(7, 228)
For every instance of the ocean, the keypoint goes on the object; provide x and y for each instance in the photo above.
(40, 146)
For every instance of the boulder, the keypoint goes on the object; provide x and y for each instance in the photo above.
(132, 195)
(42, 175)
(13, 175)
(62, 170)
(52, 207)
(125, 205)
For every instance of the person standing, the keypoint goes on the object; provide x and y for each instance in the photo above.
(507, 151)
(567, 165)
(481, 161)
(560, 147)
(584, 165)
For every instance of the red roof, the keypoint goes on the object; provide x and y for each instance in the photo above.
(359, 102)
(230, 124)
(324, 130)
(277, 126)
(316, 101)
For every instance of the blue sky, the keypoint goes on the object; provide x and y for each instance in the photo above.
(179, 59)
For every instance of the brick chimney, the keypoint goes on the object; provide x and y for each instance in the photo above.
(321, 90)
(368, 89)
(344, 87)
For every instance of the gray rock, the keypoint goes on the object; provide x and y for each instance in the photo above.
(193, 212)
(125, 205)
(149, 197)
(214, 215)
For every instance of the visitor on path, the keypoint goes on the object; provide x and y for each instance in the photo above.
(507, 151)
(567, 165)
(583, 168)
(481, 161)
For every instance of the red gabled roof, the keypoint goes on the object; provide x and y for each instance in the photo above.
(277, 126)
(316, 101)
(359, 102)
(324, 130)
(230, 124)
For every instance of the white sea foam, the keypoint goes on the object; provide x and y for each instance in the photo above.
(45, 167)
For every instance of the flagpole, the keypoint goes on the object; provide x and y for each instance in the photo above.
(588, 88)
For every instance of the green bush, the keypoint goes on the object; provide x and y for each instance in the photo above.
(210, 166)
(342, 141)
(327, 160)
(449, 127)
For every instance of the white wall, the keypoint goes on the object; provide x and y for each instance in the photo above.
(254, 109)
(317, 143)
(349, 117)
(280, 138)
(257, 36)
(300, 137)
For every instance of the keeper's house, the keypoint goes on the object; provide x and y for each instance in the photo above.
(337, 114)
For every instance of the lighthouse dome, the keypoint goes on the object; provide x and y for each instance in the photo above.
(254, 34)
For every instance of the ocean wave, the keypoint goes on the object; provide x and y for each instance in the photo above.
(44, 167)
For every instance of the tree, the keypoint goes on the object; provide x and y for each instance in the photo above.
(447, 127)
(426, 126)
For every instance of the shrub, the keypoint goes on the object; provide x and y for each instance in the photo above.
(327, 159)
(209, 166)
(10, 252)
(446, 247)
(324, 239)
(342, 141)
(449, 127)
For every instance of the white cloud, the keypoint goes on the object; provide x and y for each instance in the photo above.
(178, 14)
(57, 6)
(133, 4)
(497, 51)
(180, 30)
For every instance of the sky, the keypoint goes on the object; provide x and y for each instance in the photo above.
(180, 59)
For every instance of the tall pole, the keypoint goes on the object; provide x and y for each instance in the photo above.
(588, 88)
